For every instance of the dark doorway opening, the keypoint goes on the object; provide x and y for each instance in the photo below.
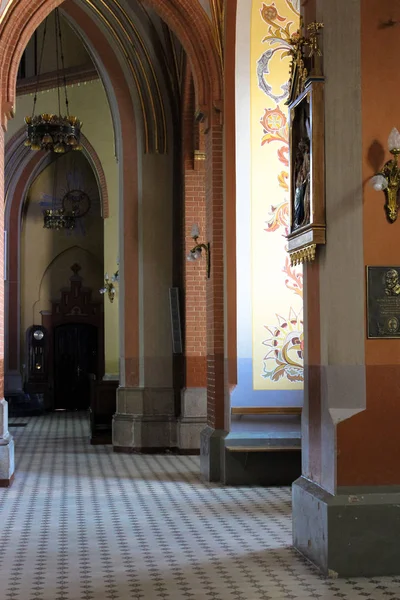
(75, 360)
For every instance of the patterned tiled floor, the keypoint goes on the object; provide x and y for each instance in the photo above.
(82, 523)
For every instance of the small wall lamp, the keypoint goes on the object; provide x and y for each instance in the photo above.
(196, 252)
(109, 287)
(388, 179)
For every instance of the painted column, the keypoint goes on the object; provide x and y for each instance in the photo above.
(346, 505)
(6, 441)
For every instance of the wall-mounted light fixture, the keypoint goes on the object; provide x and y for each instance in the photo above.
(388, 179)
(109, 287)
(197, 251)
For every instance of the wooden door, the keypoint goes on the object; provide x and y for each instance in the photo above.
(75, 358)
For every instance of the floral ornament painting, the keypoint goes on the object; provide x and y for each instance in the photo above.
(286, 345)
(284, 358)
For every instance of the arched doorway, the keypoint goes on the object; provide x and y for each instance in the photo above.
(195, 33)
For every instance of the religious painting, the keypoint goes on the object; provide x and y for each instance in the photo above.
(383, 302)
(306, 146)
(306, 173)
(301, 141)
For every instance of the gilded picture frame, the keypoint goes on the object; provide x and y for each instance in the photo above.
(307, 226)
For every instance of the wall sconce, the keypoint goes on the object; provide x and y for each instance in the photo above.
(109, 287)
(388, 179)
(196, 252)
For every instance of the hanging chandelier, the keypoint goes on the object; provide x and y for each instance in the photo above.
(57, 218)
(50, 132)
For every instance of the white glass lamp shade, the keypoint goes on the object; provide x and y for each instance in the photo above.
(102, 291)
(105, 276)
(394, 139)
(195, 232)
(190, 257)
(196, 254)
(379, 183)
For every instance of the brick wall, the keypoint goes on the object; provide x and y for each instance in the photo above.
(194, 272)
(215, 285)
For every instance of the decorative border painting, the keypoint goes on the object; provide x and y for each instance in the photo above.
(277, 286)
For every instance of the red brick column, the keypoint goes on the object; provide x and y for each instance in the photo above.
(215, 285)
(194, 272)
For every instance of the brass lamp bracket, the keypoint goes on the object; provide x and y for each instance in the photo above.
(388, 179)
(206, 248)
(197, 251)
(109, 287)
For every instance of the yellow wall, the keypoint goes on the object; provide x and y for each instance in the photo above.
(74, 51)
(47, 256)
(276, 288)
(90, 103)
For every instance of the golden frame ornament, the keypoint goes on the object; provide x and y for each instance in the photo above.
(307, 224)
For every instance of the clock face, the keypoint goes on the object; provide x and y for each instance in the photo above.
(38, 334)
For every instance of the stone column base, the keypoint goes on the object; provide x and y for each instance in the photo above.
(145, 420)
(212, 449)
(6, 461)
(353, 534)
(193, 418)
(132, 433)
(6, 448)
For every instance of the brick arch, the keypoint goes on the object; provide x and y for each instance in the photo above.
(190, 23)
(23, 158)
(185, 18)
(122, 108)
(25, 167)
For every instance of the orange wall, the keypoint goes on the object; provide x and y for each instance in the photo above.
(368, 446)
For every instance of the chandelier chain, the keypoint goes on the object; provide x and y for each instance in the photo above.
(50, 131)
(63, 63)
(57, 36)
(40, 67)
(55, 181)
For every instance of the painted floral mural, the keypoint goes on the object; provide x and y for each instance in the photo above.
(284, 343)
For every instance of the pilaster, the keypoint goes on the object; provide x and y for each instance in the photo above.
(346, 515)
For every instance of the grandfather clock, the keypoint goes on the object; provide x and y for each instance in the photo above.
(36, 360)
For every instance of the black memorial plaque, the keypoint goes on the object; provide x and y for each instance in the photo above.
(383, 302)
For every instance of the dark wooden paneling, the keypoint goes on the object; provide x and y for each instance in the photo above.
(102, 408)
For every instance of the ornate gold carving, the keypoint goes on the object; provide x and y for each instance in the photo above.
(198, 155)
(306, 254)
(390, 175)
(304, 64)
